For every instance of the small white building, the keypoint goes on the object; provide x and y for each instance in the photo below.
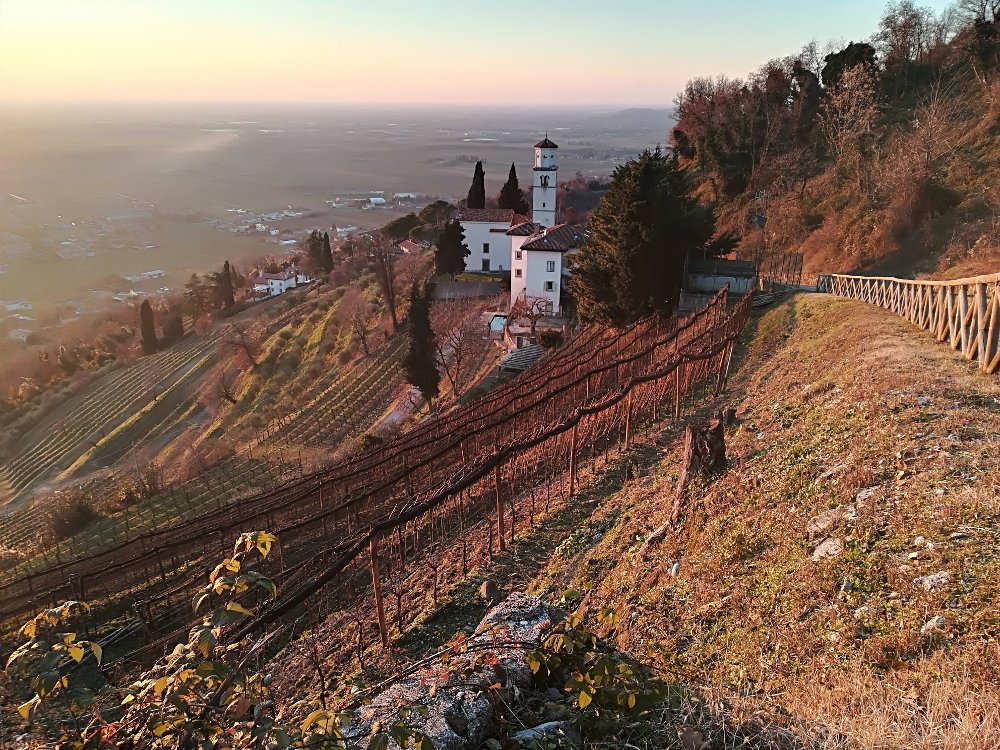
(539, 261)
(273, 284)
(486, 237)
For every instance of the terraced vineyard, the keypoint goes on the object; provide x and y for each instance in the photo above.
(352, 403)
(82, 421)
(535, 429)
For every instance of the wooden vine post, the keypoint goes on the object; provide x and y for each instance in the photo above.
(377, 586)
(572, 460)
(500, 522)
(628, 420)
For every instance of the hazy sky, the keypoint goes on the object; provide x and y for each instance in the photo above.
(620, 52)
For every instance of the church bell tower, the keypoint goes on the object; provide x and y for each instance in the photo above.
(544, 177)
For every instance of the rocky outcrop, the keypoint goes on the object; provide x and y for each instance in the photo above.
(458, 704)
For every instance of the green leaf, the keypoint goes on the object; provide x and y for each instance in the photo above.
(381, 742)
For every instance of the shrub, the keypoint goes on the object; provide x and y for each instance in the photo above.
(550, 339)
(67, 514)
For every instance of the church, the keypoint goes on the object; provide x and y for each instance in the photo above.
(533, 249)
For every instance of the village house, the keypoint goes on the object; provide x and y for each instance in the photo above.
(273, 284)
(539, 265)
(486, 237)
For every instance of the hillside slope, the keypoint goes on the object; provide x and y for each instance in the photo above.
(856, 432)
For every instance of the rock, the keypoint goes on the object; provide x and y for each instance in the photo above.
(829, 547)
(865, 494)
(923, 401)
(933, 581)
(934, 625)
(675, 569)
(820, 525)
(830, 473)
(919, 541)
(460, 716)
(562, 729)
(490, 592)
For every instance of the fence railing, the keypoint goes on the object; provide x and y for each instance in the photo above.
(965, 313)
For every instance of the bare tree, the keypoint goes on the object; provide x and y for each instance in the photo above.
(848, 120)
(531, 309)
(221, 384)
(383, 256)
(244, 342)
(355, 312)
(458, 333)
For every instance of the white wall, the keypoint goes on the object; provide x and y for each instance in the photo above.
(517, 283)
(537, 273)
(477, 233)
(698, 282)
(543, 199)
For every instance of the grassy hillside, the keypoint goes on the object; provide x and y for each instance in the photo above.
(881, 156)
(856, 428)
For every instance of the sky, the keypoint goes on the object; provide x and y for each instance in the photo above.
(424, 52)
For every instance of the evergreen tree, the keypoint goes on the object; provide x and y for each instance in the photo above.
(173, 331)
(147, 328)
(642, 231)
(196, 296)
(511, 195)
(327, 253)
(477, 193)
(225, 287)
(314, 248)
(451, 250)
(420, 368)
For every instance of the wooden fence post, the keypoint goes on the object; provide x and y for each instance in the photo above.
(628, 420)
(377, 586)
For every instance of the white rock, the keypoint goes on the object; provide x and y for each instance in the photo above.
(933, 581)
(830, 547)
(675, 569)
(933, 625)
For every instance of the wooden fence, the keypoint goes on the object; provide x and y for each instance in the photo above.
(965, 312)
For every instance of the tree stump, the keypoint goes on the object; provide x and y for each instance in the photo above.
(704, 452)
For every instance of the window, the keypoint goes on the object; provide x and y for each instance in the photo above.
(486, 264)
(517, 272)
(486, 248)
(517, 255)
(550, 286)
(543, 204)
(550, 266)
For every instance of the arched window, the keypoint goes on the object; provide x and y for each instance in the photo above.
(545, 180)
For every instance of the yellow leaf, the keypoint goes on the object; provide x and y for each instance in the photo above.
(68, 637)
(76, 652)
(29, 629)
(160, 685)
(584, 699)
(631, 700)
(26, 708)
(312, 719)
(98, 651)
(264, 542)
(235, 607)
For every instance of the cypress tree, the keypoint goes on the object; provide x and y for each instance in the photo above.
(327, 253)
(641, 233)
(477, 193)
(511, 195)
(173, 331)
(147, 328)
(451, 250)
(421, 370)
(226, 286)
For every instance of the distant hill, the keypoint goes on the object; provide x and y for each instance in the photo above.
(636, 118)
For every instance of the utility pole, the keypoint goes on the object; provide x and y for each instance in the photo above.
(760, 220)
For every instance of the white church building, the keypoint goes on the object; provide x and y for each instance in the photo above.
(533, 249)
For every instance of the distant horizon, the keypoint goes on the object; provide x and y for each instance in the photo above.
(634, 53)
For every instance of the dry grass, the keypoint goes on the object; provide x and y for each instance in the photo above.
(840, 404)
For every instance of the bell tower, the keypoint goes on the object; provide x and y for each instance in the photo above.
(544, 177)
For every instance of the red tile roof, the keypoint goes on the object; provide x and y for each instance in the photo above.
(546, 144)
(559, 238)
(524, 229)
(409, 246)
(487, 215)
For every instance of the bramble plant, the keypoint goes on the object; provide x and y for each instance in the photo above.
(202, 696)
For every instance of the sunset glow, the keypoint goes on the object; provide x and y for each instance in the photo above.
(630, 52)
